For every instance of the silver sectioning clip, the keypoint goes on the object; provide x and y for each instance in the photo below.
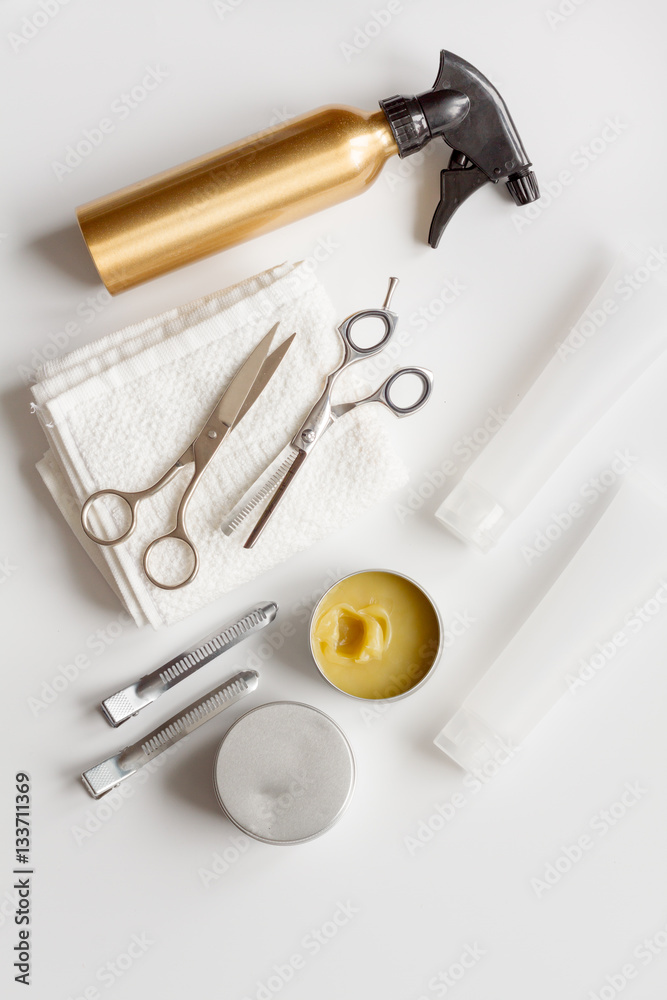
(122, 705)
(104, 776)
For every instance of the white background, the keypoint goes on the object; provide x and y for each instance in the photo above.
(142, 871)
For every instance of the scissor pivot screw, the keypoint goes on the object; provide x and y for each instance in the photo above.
(308, 436)
(213, 434)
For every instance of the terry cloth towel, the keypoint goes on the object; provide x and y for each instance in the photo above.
(118, 412)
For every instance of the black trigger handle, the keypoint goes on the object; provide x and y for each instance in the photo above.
(457, 183)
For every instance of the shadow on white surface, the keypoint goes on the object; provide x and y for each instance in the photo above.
(190, 777)
(65, 250)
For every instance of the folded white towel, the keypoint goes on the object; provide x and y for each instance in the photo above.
(118, 412)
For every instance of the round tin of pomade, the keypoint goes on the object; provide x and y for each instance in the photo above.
(438, 637)
(284, 773)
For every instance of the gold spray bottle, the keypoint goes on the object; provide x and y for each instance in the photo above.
(258, 184)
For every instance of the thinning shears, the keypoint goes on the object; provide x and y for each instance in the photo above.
(276, 479)
(231, 407)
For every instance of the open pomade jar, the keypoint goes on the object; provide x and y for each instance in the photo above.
(376, 635)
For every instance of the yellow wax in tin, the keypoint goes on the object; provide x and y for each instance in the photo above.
(376, 635)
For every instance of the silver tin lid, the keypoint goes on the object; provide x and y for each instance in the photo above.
(284, 773)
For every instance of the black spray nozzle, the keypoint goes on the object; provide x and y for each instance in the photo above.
(466, 110)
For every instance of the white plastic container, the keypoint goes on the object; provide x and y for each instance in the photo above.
(585, 620)
(622, 331)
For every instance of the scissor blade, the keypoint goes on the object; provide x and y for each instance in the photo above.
(261, 489)
(237, 391)
(266, 373)
(276, 499)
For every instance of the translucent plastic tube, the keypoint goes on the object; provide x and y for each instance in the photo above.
(619, 335)
(610, 590)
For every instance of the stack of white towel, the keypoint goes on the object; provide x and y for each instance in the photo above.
(119, 411)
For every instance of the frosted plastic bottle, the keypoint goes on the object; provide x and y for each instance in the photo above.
(579, 627)
(621, 332)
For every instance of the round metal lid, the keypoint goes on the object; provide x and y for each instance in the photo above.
(284, 773)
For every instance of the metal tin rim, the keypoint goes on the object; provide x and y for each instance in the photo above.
(431, 669)
(341, 811)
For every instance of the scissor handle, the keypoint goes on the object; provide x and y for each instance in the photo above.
(202, 451)
(181, 535)
(132, 501)
(353, 350)
(383, 394)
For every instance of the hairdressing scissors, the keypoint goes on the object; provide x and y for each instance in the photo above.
(279, 475)
(245, 387)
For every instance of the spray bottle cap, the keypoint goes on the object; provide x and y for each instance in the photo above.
(466, 110)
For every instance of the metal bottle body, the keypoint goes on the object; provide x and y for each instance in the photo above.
(234, 194)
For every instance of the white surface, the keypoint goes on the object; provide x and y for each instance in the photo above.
(469, 886)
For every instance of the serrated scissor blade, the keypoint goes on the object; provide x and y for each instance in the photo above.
(276, 499)
(263, 487)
